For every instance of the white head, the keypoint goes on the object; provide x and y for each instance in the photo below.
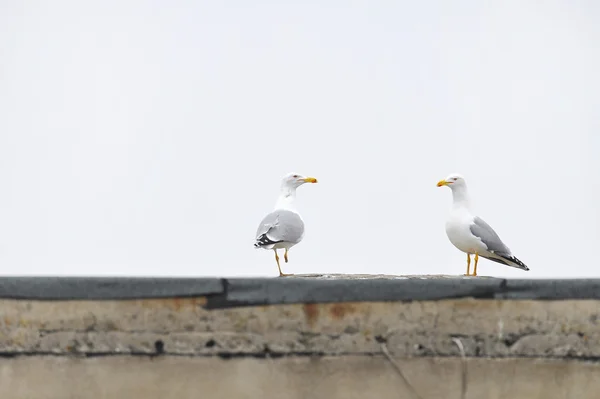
(295, 180)
(453, 181)
(289, 184)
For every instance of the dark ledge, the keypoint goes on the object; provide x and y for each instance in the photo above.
(234, 292)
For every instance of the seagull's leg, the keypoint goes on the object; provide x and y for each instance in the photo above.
(476, 260)
(277, 259)
(278, 266)
(468, 264)
(285, 255)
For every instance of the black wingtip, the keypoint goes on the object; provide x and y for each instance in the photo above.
(516, 260)
(263, 240)
(505, 259)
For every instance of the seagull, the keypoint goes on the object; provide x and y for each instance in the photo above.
(470, 233)
(283, 228)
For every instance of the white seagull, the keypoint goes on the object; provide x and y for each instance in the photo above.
(470, 233)
(283, 228)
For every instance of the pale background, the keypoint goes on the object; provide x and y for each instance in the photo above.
(150, 137)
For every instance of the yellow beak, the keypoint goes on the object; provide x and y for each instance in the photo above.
(310, 180)
(442, 183)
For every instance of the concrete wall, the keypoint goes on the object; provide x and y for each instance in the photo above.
(345, 376)
(175, 348)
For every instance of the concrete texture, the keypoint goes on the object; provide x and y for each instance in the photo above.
(180, 347)
(343, 377)
(181, 326)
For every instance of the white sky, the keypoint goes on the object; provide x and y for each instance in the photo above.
(150, 137)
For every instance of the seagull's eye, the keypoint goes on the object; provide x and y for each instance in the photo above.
(295, 176)
(455, 178)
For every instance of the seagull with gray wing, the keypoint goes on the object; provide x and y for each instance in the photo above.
(283, 228)
(470, 233)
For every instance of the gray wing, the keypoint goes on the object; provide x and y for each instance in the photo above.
(488, 236)
(279, 226)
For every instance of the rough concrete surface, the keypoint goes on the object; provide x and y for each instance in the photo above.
(176, 348)
(345, 377)
(183, 327)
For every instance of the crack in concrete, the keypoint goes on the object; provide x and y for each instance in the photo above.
(275, 355)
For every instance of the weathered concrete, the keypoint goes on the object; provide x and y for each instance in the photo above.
(344, 377)
(181, 348)
(184, 327)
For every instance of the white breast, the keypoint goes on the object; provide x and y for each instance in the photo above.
(459, 232)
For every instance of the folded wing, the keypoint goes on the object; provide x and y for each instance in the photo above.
(494, 244)
(279, 226)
